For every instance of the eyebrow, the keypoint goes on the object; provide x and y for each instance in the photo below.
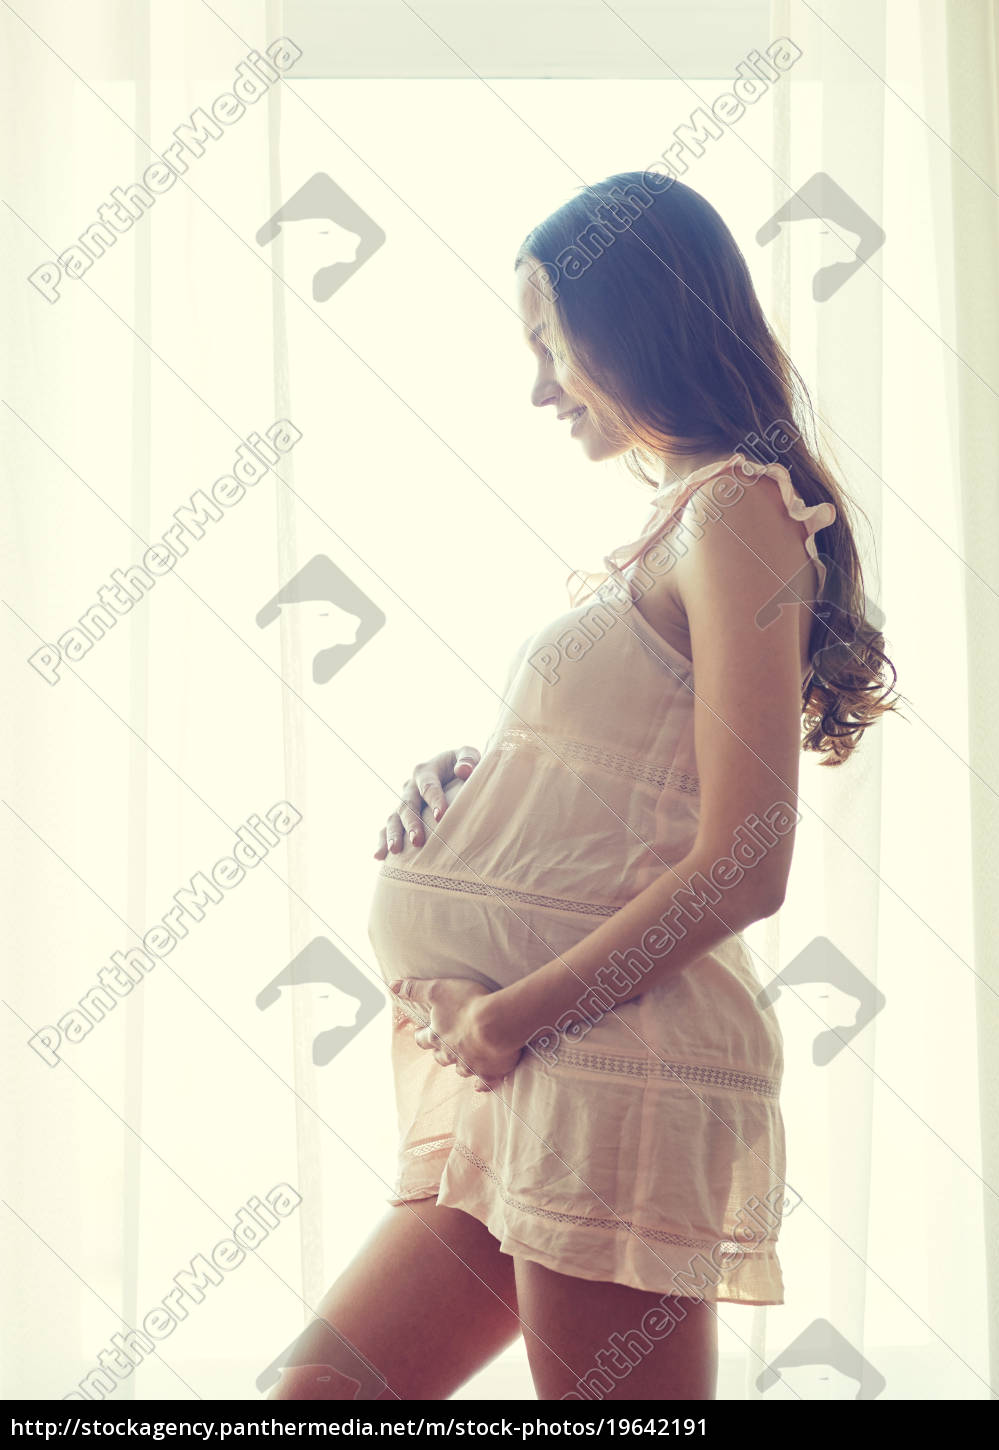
(536, 335)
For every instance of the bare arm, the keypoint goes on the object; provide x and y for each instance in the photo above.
(747, 740)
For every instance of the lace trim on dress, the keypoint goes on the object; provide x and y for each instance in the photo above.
(664, 777)
(719, 1249)
(707, 1076)
(506, 893)
(420, 1150)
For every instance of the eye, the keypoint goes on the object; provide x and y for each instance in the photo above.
(550, 355)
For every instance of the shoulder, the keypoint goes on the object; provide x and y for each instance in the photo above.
(737, 534)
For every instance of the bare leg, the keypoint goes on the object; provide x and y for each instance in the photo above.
(428, 1301)
(574, 1321)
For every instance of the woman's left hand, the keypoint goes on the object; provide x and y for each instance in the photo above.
(461, 1026)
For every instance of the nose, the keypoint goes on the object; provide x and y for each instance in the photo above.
(546, 389)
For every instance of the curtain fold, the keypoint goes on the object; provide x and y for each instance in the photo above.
(887, 107)
(972, 35)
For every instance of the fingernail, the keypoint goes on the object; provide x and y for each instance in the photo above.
(437, 813)
(412, 837)
(394, 986)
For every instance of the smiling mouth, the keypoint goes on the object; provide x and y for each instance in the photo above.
(574, 417)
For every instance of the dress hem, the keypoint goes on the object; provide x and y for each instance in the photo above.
(559, 1264)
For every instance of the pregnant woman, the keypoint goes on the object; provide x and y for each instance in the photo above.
(592, 1152)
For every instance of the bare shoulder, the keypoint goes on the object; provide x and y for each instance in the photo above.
(736, 538)
(738, 559)
(734, 556)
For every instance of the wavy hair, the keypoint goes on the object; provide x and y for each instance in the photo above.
(651, 305)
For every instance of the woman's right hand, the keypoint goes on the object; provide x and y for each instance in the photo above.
(426, 785)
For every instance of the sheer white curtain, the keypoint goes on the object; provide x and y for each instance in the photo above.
(972, 114)
(885, 1140)
(444, 517)
(162, 1106)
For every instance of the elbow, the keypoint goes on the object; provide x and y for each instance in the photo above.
(750, 893)
(768, 896)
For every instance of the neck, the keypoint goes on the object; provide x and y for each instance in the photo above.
(678, 466)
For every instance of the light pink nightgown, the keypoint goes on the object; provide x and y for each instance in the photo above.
(648, 1151)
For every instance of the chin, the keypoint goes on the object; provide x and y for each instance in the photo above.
(598, 449)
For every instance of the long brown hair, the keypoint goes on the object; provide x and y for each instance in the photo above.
(652, 306)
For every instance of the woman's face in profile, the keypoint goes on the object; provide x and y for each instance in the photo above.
(575, 405)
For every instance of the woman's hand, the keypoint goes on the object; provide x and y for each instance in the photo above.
(426, 785)
(462, 1025)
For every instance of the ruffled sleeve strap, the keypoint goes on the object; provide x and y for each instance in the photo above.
(812, 517)
(669, 502)
(665, 504)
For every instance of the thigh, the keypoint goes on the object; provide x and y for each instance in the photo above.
(592, 1340)
(427, 1302)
